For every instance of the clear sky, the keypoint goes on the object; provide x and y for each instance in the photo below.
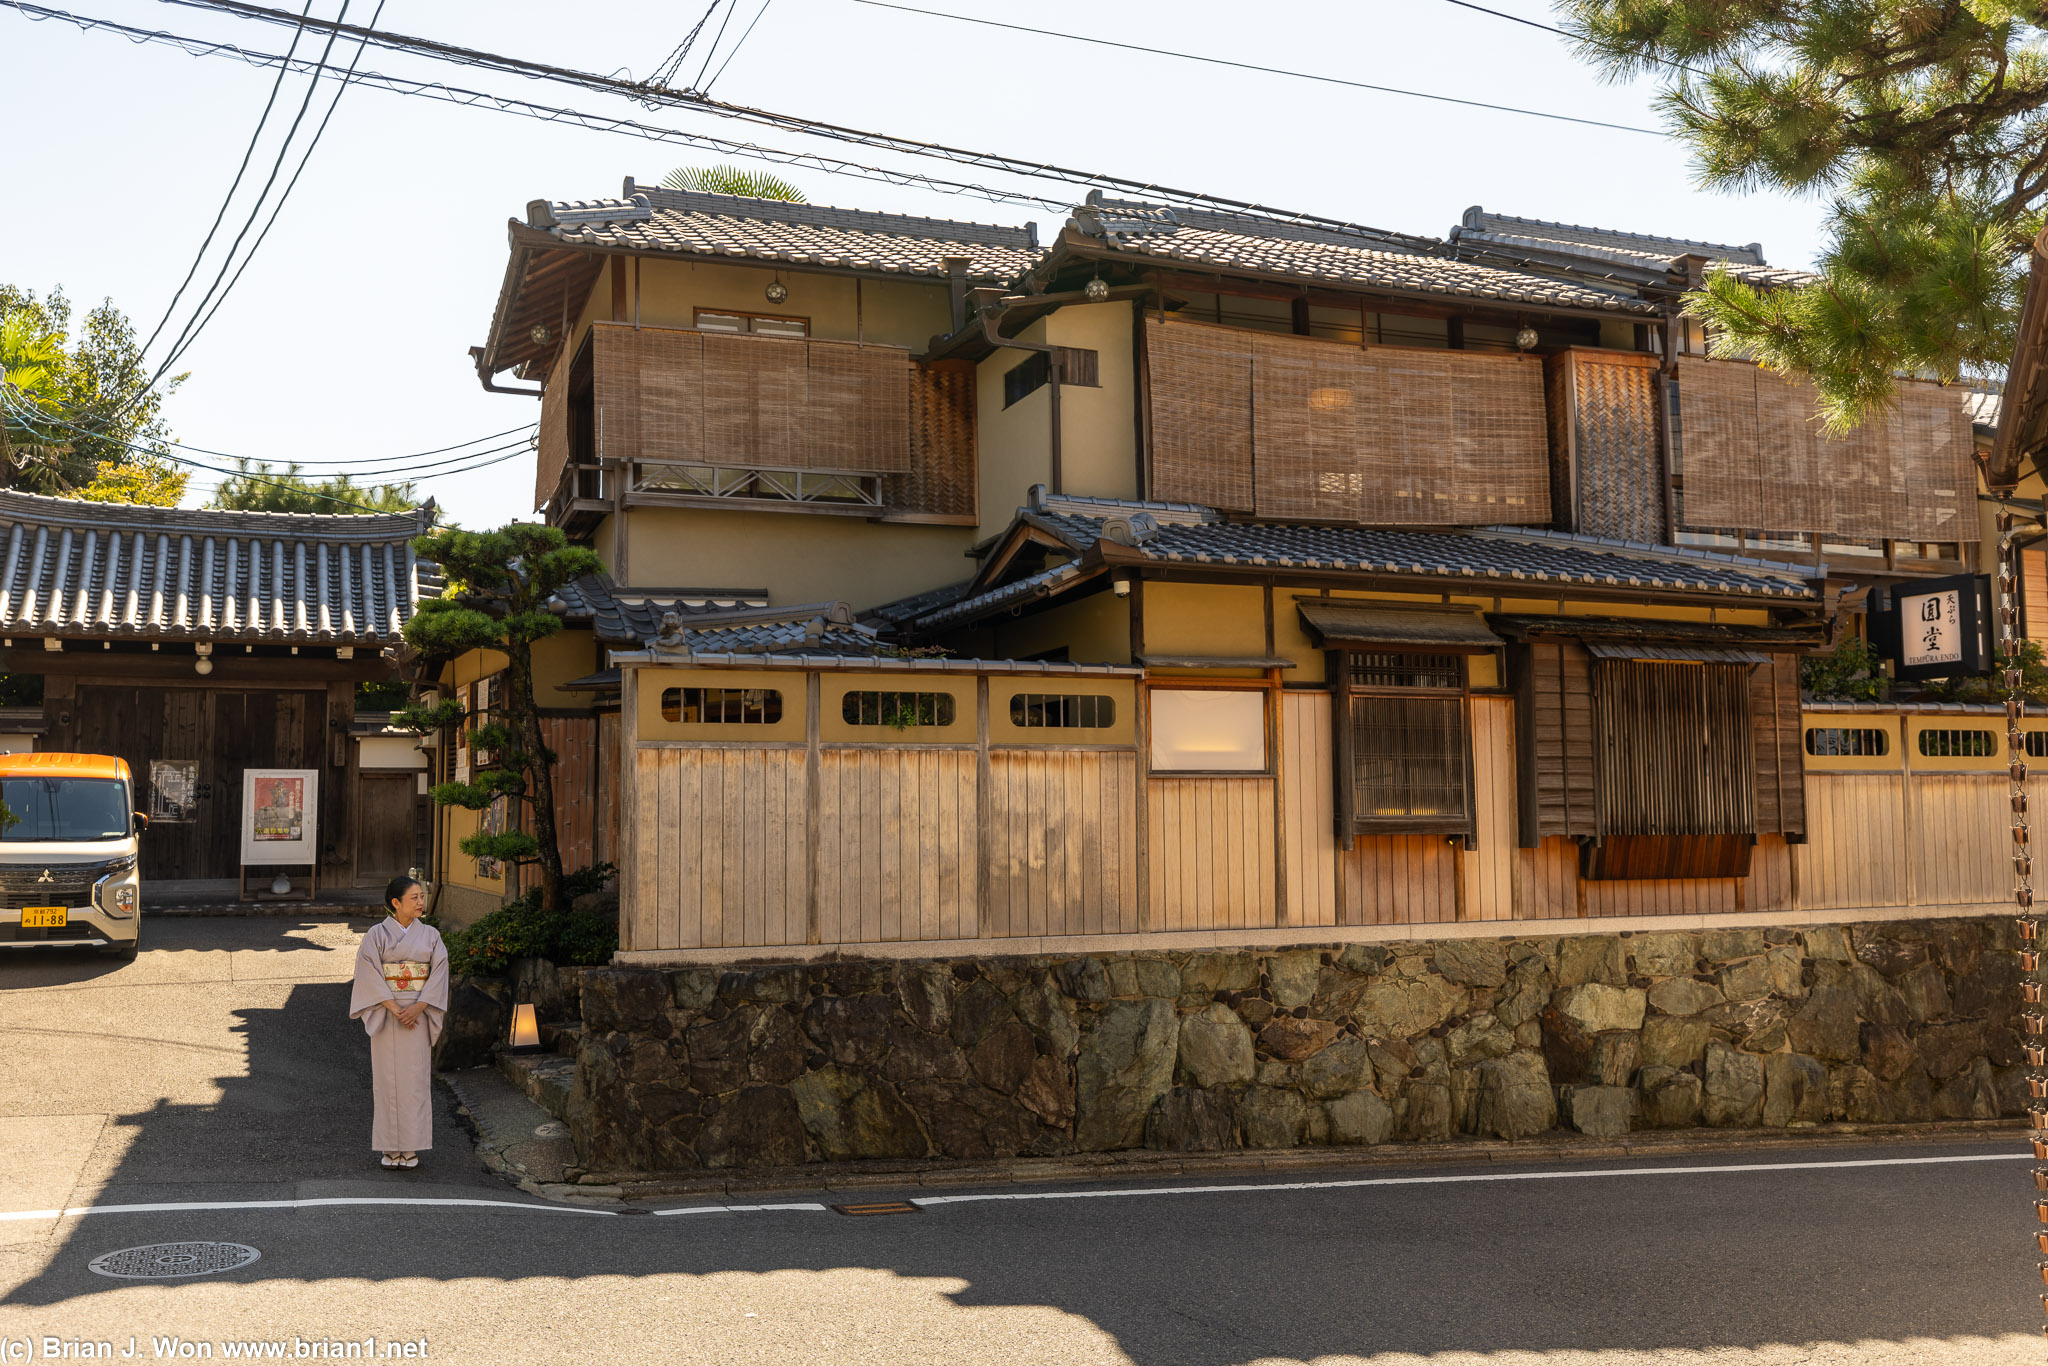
(347, 339)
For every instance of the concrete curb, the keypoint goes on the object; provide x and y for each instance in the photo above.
(502, 1121)
(1296, 1162)
(325, 910)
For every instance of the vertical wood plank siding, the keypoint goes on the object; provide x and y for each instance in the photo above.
(1555, 682)
(975, 842)
(579, 785)
(1675, 752)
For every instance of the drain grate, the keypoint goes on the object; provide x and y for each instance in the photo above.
(161, 1261)
(882, 1207)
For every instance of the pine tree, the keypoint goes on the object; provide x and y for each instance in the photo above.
(498, 587)
(1925, 126)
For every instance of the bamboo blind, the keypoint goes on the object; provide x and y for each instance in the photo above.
(1556, 741)
(941, 478)
(554, 436)
(1615, 452)
(1675, 748)
(1300, 428)
(1754, 457)
(736, 399)
(1202, 414)
(1780, 767)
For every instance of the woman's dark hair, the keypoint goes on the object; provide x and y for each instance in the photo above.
(397, 888)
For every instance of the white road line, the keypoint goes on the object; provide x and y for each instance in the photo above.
(930, 1200)
(741, 1209)
(77, 1211)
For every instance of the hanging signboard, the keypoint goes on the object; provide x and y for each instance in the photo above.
(1937, 628)
(280, 816)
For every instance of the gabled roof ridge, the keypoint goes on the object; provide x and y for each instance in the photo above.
(43, 509)
(1363, 237)
(1644, 548)
(831, 216)
(1477, 219)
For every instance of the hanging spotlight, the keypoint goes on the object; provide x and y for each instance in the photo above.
(1096, 289)
(777, 291)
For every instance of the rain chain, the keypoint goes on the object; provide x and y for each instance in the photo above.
(2032, 1020)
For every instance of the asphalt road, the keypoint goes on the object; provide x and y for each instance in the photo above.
(218, 1070)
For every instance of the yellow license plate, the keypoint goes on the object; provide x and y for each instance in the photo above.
(44, 917)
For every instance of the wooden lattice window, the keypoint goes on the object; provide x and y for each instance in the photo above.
(1405, 752)
(722, 706)
(1073, 711)
(898, 710)
(2037, 744)
(1848, 741)
(1958, 743)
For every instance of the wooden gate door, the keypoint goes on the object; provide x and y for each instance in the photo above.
(386, 817)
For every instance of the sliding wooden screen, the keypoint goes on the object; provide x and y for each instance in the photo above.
(1554, 734)
(1753, 456)
(1298, 429)
(554, 435)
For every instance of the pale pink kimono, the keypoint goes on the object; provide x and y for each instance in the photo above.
(401, 1059)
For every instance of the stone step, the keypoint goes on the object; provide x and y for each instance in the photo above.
(546, 1078)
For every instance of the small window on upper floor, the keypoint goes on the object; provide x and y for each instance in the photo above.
(1078, 366)
(761, 324)
(722, 706)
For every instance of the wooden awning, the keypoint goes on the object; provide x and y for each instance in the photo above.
(1335, 625)
(1675, 654)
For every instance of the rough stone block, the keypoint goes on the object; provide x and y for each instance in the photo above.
(1205, 974)
(925, 991)
(1787, 972)
(1596, 1008)
(1515, 1099)
(1601, 1111)
(1733, 1089)
(1424, 1113)
(1215, 1048)
(1827, 943)
(1795, 1090)
(1725, 946)
(1950, 1048)
(1345, 1066)
(1291, 977)
(1291, 1040)
(1887, 1052)
(1084, 979)
(1924, 991)
(1358, 1118)
(1746, 980)
(1192, 1121)
(1472, 962)
(1684, 996)
(1126, 1065)
(850, 1114)
(1663, 955)
(759, 1127)
(1272, 1118)
(1478, 1038)
(1826, 1025)
(1668, 1098)
(1402, 1009)
(1970, 1094)
(1592, 958)
(1157, 977)
(1614, 1059)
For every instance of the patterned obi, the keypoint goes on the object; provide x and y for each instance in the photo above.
(406, 976)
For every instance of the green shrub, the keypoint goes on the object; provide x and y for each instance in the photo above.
(521, 929)
(1850, 674)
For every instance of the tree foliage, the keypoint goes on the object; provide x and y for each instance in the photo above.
(733, 180)
(139, 479)
(498, 587)
(78, 405)
(259, 487)
(1923, 125)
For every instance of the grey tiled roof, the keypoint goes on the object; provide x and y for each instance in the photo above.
(1609, 246)
(649, 218)
(617, 614)
(1984, 409)
(686, 622)
(116, 570)
(1495, 557)
(1225, 241)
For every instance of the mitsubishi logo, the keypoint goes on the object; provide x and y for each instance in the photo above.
(46, 876)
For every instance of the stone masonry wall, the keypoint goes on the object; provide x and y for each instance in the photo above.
(1360, 1044)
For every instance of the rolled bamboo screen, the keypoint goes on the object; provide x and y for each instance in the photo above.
(1202, 414)
(554, 437)
(941, 478)
(772, 402)
(1606, 444)
(1752, 456)
(1299, 428)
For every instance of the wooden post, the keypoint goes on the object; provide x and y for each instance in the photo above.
(984, 793)
(632, 858)
(1276, 743)
(814, 794)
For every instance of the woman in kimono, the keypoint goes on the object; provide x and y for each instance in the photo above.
(401, 993)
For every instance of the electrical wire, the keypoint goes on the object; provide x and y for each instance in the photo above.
(248, 152)
(736, 46)
(717, 38)
(1269, 70)
(672, 65)
(1562, 33)
(522, 431)
(278, 206)
(200, 314)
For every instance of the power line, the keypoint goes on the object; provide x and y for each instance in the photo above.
(196, 323)
(1562, 33)
(1269, 70)
(672, 65)
(737, 46)
(248, 152)
(716, 39)
(291, 184)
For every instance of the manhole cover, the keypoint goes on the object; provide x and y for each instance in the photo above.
(159, 1261)
(554, 1128)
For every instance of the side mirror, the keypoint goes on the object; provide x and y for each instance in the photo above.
(141, 822)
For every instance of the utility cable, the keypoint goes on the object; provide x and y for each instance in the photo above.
(717, 38)
(1269, 70)
(196, 323)
(1562, 33)
(706, 90)
(248, 152)
(671, 65)
(290, 185)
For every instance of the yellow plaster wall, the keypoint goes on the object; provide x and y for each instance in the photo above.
(893, 312)
(1098, 432)
(653, 682)
(558, 659)
(1204, 619)
(1013, 444)
(796, 557)
(1123, 729)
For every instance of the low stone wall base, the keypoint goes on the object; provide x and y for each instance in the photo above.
(776, 1065)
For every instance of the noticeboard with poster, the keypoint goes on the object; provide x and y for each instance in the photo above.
(1936, 628)
(173, 791)
(280, 816)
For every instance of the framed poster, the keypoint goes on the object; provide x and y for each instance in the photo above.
(173, 791)
(280, 815)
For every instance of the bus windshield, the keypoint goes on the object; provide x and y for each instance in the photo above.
(54, 809)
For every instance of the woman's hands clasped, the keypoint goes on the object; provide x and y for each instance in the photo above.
(409, 1016)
